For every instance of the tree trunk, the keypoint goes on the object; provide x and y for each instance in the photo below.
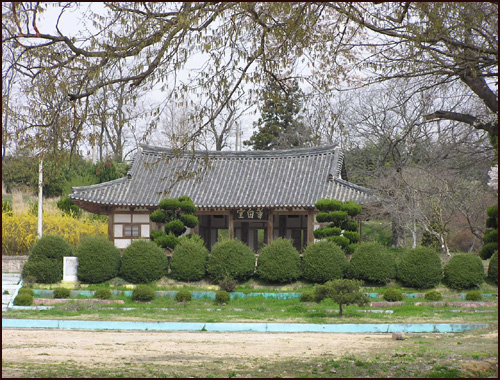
(340, 309)
(397, 233)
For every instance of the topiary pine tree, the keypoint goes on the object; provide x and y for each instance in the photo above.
(176, 214)
(490, 238)
(342, 230)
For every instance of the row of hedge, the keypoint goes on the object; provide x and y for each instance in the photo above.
(231, 260)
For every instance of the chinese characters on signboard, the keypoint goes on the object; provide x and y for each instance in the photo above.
(250, 214)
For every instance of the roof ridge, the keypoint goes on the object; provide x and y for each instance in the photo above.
(98, 185)
(322, 149)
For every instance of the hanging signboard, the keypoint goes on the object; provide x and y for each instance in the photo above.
(255, 213)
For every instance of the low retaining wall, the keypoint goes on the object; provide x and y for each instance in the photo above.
(13, 264)
(243, 327)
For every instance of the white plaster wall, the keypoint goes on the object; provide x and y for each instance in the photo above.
(123, 218)
(122, 243)
(140, 218)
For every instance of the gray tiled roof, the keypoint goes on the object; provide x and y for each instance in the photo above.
(286, 178)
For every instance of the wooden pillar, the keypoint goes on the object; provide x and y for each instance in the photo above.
(310, 227)
(270, 228)
(230, 226)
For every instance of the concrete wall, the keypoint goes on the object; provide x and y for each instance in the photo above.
(13, 264)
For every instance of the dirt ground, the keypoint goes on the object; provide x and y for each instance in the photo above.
(83, 353)
(29, 345)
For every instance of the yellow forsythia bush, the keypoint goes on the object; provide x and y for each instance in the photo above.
(19, 231)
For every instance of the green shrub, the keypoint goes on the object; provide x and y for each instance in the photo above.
(323, 232)
(7, 207)
(352, 208)
(187, 206)
(98, 259)
(490, 236)
(420, 268)
(51, 247)
(464, 271)
(433, 295)
(487, 250)
(61, 293)
(27, 291)
(473, 295)
(143, 293)
(103, 294)
(350, 225)
(341, 241)
(176, 227)
(492, 220)
(352, 236)
(143, 262)
(189, 261)
(183, 296)
(393, 295)
(323, 261)
(307, 296)
(230, 258)
(43, 270)
(23, 299)
(158, 216)
(327, 205)
(163, 240)
(372, 262)
(189, 220)
(169, 204)
(228, 284)
(67, 206)
(279, 261)
(222, 296)
(493, 268)
(349, 250)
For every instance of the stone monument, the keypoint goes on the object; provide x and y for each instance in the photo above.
(69, 268)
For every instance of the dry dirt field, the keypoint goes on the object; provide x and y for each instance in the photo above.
(37, 352)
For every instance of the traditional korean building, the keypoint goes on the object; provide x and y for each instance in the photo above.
(255, 196)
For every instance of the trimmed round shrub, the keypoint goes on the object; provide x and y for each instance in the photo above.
(433, 295)
(143, 293)
(323, 232)
(352, 208)
(189, 220)
(341, 241)
(98, 260)
(143, 262)
(61, 293)
(420, 268)
(176, 227)
(27, 291)
(323, 261)
(158, 216)
(189, 261)
(492, 220)
(51, 247)
(169, 204)
(322, 217)
(165, 241)
(488, 250)
(327, 205)
(187, 205)
(490, 237)
(222, 296)
(307, 296)
(352, 236)
(373, 262)
(473, 295)
(464, 271)
(393, 295)
(183, 296)
(337, 217)
(493, 268)
(350, 225)
(43, 270)
(103, 294)
(23, 299)
(349, 250)
(279, 261)
(230, 259)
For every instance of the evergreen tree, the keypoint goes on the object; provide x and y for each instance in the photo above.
(280, 125)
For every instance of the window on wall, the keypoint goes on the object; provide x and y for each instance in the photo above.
(131, 230)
